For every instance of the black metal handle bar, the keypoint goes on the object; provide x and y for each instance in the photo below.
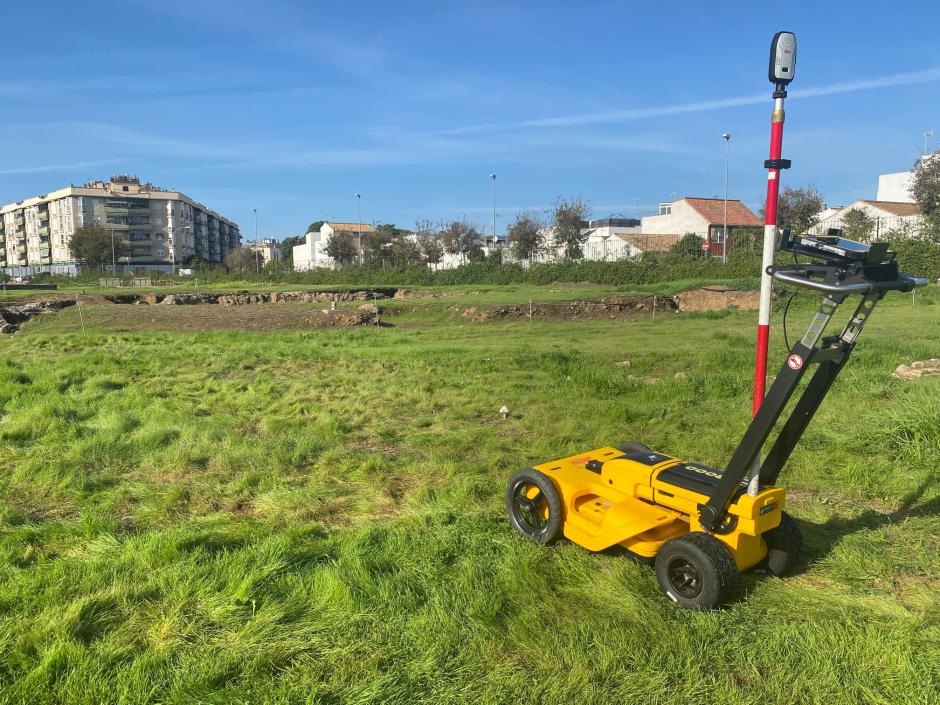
(800, 278)
(841, 281)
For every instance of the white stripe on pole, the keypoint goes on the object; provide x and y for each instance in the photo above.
(766, 281)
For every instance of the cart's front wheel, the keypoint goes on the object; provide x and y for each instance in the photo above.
(696, 570)
(534, 506)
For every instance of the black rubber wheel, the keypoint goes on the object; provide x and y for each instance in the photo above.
(534, 506)
(633, 447)
(784, 546)
(697, 571)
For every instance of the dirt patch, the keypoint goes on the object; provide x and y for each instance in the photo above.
(412, 294)
(244, 298)
(288, 316)
(12, 316)
(613, 307)
(717, 298)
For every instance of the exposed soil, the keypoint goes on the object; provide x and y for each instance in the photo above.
(717, 298)
(612, 307)
(12, 316)
(289, 316)
(413, 294)
(244, 298)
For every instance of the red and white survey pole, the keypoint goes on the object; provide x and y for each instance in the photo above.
(782, 68)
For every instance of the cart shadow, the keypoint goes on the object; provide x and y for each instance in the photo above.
(821, 539)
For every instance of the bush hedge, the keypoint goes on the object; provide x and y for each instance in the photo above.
(918, 254)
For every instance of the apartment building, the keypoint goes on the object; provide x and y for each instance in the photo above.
(152, 228)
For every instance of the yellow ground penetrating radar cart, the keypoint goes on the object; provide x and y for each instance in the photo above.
(702, 525)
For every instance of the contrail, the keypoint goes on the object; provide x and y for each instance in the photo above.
(56, 167)
(898, 79)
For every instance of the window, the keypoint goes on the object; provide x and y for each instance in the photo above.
(124, 188)
(665, 209)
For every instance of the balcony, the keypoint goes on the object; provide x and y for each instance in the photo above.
(19, 220)
(44, 216)
(44, 231)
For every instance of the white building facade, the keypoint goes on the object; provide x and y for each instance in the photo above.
(312, 252)
(152, 229)
(885, 216)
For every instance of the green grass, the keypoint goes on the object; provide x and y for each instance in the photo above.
(317, 516)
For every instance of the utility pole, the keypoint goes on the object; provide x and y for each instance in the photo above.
(724, 247)
(257, 267)
(493, 177)
(927, 135)
(359, 206)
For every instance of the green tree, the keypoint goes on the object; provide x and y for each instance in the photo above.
(242, 259)
(342, 248)
(925, 186)
(797, 208)
(91, 246)
(690, 245)
(462, 238)
(429, 241)
(525, 235)
(287, 248)
(403, 251)
(315, 226)
(857, 224)
(568, 218)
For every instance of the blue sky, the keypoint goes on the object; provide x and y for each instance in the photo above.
(292, 107)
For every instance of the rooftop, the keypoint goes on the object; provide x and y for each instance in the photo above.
(713, 210)
(350, 227)
(894, 207)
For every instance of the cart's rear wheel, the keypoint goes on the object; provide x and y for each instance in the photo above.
(784, 545)
(534, 506)
(634, 447)
(696, 570)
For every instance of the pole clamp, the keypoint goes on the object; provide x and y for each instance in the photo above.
(777, 163)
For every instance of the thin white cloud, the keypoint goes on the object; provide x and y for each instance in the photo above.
(56, 167)
(628, 114)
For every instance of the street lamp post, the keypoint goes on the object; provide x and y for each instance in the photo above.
(493, 177)
(257, 267)
(724, 248)
(359, 206)
(927, 135)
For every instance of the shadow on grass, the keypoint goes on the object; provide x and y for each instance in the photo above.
(823, 537)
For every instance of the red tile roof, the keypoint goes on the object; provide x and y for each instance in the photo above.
(350, 227)
(713, 210)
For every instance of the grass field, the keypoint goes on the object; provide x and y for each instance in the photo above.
(296, 516)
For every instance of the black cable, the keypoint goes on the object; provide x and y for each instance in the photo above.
(786, 308)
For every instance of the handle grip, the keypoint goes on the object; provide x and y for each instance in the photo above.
(794, 278)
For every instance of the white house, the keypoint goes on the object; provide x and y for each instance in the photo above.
(312, 253)
(886, 216)
(896, 187)
(704, 217)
